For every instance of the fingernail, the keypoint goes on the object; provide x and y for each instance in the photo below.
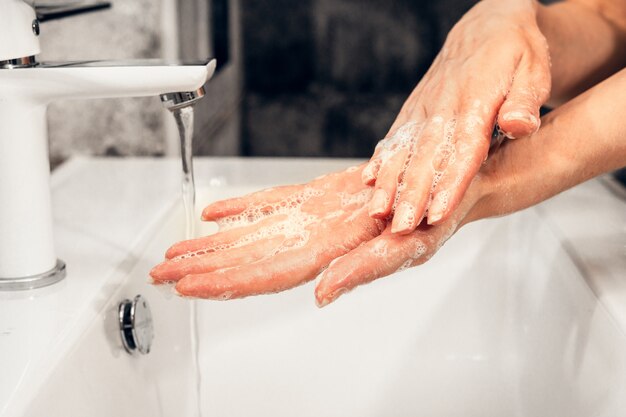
(168, 271)
(157, 272)
(329, 298)
(404, 219)
(368, 174)
(521, 116)
(323, 302)
(437, 207)
(379, 202)
(435, 217)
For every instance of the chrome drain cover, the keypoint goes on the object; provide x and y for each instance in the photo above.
(136, 327)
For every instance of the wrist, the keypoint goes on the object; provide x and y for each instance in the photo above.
(495, 180)
(518, 7)
(478, 199)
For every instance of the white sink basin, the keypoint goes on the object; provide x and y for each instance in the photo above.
(501, 322)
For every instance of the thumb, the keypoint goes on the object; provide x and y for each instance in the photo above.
(375, 259)
(519, 114)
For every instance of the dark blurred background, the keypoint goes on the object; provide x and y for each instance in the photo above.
(296, 78)
(327, 77)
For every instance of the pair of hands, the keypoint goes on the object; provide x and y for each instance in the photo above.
(279, 238)
(364, 223)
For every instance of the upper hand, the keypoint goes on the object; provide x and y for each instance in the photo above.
(494, 65)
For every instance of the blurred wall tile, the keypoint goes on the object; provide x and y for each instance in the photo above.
(327, 77)
(130, 29)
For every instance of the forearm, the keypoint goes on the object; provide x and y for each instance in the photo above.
(576, 142)
(587, 39)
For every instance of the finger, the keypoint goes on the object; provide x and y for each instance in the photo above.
(419, 176)
(370, 173)
(470, 152)
(394, 157)
(202, 262)
(286, 269)
(412, 111)
(375, 259)
(519, 115)
(263, 277)
(219, 241)
(372, 169)
(471, 138)
(386, 185)
(235, 206)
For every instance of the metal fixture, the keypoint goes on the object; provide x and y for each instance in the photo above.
(174, 101)
(31, 282)
(136, 326)
(25, 62)
(27, 254)
(47, 12)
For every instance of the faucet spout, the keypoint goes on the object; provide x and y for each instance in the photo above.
(175, 101)
(27, 255)
(46, 82)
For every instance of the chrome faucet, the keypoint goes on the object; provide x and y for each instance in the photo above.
(27, 255)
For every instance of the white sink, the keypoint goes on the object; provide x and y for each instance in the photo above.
(501, 322)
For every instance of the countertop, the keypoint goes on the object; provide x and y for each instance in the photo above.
(104, 206)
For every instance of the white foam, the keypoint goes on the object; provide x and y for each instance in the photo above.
(359, 198)
(436, 120)
(436, 178)
(472, 123)
(379, 248)
(419, 251)
(404, 138)
(355, 214)
(406, 265)
(407, 219)
(442, 199)
(448, 130)
(258, 211)
(371, 169)
(333, 214)
(445, 155)
(292, 226)
(226, 295)
(400, 189)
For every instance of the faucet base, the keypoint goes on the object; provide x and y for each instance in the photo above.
(50, 277)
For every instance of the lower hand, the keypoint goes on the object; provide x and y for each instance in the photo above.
(273, 240)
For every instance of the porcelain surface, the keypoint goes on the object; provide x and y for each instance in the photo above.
(517, 316)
